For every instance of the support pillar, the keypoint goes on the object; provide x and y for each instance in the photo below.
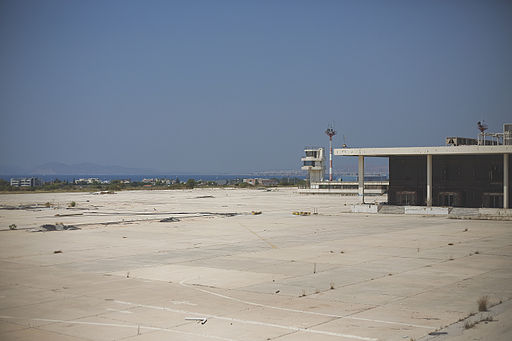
(361, 178)
(505, 181)
(429, 180)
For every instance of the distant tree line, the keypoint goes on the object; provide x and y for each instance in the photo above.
(58, 185)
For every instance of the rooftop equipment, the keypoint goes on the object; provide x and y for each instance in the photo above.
(507, 134)
(488, 139)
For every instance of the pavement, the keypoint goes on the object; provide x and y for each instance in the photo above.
(335, 275)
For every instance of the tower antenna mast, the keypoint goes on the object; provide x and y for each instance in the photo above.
(330, 132)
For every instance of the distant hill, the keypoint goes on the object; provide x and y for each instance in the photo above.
(58, 168)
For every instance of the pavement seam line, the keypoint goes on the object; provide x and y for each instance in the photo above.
(257, 323)
(303, 311)
(101, 324)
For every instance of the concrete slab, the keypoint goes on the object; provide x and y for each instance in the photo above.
(200, 275)
(253, 277)
(7, 326)
(364, 208)
(38, 334)
(427, 210)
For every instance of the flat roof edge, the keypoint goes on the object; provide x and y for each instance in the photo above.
(437, 150)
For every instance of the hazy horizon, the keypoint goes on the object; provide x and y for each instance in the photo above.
(58, 168)
(239, 86)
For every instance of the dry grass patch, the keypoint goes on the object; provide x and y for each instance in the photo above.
(483, 302)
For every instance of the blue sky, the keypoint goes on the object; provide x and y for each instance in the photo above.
(234, 86)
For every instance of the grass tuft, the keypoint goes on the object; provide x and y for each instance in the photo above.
(469, 325)
(482, 303)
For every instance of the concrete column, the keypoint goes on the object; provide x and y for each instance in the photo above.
(505, 181)
(429, 180)
(361, 178)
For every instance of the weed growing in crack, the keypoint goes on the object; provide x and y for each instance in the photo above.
(482, 303)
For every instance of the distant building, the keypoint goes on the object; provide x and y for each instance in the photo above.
(155, 181)
(88, 181)
(260, 181)
(25, 182)
(251, 181)
(269, 182)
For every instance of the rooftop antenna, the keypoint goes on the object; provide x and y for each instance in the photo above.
(330, 132)
(482, 126)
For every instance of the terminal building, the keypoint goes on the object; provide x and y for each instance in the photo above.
(314, 164)
(464, 173)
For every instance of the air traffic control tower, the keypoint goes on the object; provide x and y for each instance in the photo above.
(314, 163)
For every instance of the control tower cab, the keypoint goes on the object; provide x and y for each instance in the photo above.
(314, 163)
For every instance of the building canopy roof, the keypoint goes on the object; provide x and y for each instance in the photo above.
(416, 151)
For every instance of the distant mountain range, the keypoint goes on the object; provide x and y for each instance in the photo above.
(87, 168)
(58, 168)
